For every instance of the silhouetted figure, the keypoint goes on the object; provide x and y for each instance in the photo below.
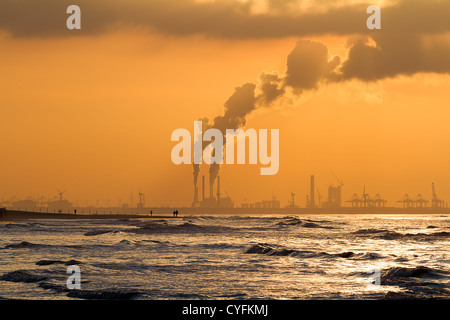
(176, 213)
(75, 211)
(151, 213)
(173, 213)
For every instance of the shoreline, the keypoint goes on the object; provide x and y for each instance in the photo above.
(166, 213)
(13, 215)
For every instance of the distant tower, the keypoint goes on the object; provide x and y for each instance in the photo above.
(141, 203)
(211, 188)
(435, 201)
(312, 203)
(195, 203)
(61, 195)
(203, 188)
(218, 191)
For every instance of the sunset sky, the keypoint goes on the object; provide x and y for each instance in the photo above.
(91, 111)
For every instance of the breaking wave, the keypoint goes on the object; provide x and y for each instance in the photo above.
(266, 249)
(305, 224)
(417, 283)
(397, 273)
(51, 262)
(29, 245)
(394, 235)
(22, 276)
(23, 244)
(97, 232)
(164, 227)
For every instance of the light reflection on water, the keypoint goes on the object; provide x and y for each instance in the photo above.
(204, 257)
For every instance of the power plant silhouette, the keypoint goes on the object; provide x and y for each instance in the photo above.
(333, 203)
(211, 201)
(333, 200)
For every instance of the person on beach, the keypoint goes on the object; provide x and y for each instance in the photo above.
(75, 211)
(151, 213)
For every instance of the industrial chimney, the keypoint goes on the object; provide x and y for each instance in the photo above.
(311, 193)
(211, 188)
(218, 191)
(195, 203)
(203, 188)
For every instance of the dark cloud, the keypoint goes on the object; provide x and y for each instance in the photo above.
(308, 64)
(395, 54)
(229, 19)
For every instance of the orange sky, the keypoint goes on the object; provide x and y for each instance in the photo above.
(93, 115)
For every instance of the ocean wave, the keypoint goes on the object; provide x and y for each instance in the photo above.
(186, 227)
(394, 235)
(305, 224)
(315, 225)
(289, 222)
(53, 286)
(370, 231)
(419, 282)
(200, 218)
(29, 245)
(22, 276)
(13, 225)
(144, 243)
(396, 273)
(23, 244)
(97, 232)
(356, 256)
(125, 242)
(266, 249)
(51, 262)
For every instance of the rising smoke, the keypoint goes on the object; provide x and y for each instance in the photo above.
(309, 66)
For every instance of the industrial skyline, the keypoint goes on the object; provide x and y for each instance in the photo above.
(334, 198)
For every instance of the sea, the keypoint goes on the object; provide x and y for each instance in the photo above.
(338, 257)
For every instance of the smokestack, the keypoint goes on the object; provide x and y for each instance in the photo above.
(211, 187)
(203, 188)
(195, 203)
(218, 191)
(311, 193)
